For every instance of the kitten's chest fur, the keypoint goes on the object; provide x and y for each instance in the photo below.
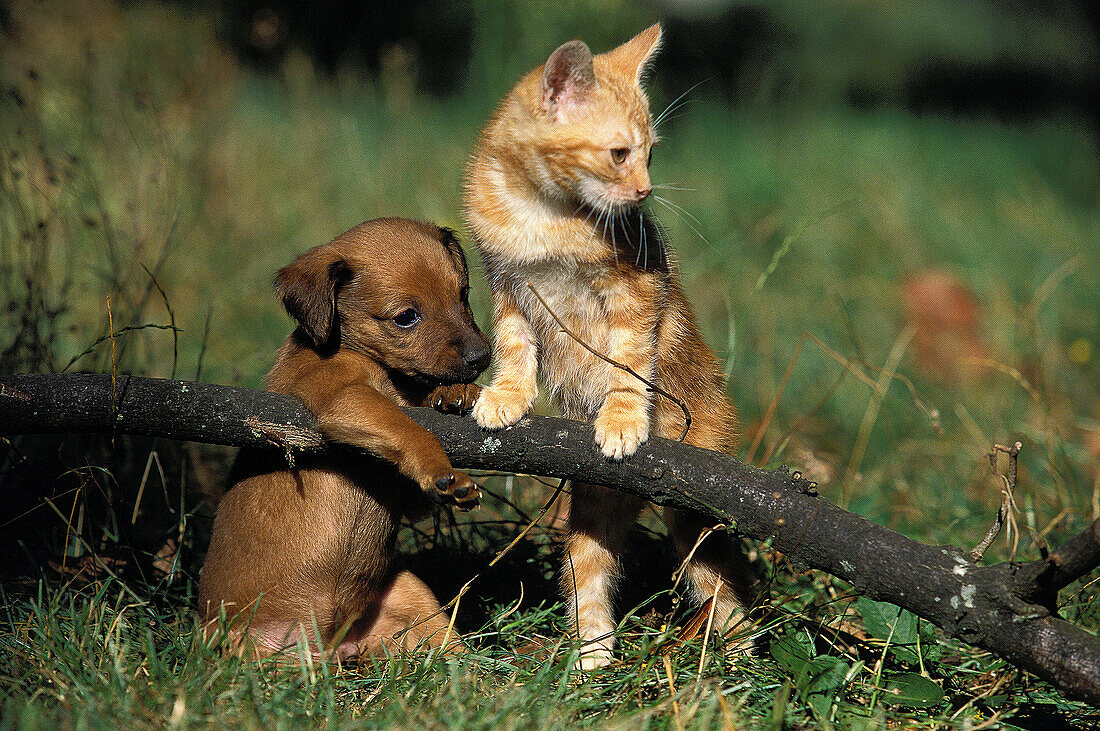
(581, 295)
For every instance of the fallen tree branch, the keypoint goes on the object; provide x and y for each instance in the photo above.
(1006, 608)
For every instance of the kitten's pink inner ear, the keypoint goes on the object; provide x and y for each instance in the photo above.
(634, 56)
(567, 77)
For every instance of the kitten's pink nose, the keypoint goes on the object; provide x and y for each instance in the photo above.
(643, 193)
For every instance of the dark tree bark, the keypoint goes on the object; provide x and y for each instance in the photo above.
(1006, 608)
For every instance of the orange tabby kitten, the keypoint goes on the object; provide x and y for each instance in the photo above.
(552, 198)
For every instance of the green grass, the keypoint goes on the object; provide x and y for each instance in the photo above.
(173, 190)
(129, 665)
(99, 656)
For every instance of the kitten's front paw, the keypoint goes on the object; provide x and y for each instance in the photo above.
(619, 433)
(497, 408)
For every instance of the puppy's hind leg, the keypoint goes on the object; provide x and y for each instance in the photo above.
(408, 617)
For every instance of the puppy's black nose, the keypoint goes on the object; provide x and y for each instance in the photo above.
(476, 356)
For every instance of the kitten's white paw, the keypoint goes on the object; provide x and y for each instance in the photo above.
(619, 435)
(497, 408)
(594, 659)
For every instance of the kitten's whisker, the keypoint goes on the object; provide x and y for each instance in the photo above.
(676, 115)
(591, 210)
(669, 110)
(660, 225)
(669, 186)
(613, 218)
(658, 229)
(599, 219)
(675, 104)
(602, 223)
(680, 208)
(682, 215)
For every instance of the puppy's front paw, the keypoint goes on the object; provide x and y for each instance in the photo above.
(456, 488)
(458, 398)
(497, 408)
(619, 432)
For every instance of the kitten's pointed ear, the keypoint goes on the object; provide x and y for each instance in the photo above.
(567, 77)
(308, 288)
(634, 56)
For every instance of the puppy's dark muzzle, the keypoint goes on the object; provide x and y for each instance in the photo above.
(477, 357)
(473, 357)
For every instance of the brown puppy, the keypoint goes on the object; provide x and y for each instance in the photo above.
(383, 321)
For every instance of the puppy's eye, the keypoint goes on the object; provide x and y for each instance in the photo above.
(619, 155)
(407, 319)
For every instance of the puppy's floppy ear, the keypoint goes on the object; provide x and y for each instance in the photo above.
(308, 287)
(450, 242)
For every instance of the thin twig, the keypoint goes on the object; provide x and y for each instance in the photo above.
(530, 525)
(672, 692)
(648, 384)
(706, 632)
(111, 336)
(171, 320)
(202, 345)
(1008, 503)
(681, 570)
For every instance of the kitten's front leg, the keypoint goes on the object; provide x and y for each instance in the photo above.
(622, 424)
(515, 370)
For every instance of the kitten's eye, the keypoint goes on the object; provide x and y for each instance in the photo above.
(407, 319)
(619, 155)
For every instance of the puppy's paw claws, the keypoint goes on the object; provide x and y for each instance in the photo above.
(457, 489)
(619, 438)
(458, 398)
(496, 409)
(467, 495)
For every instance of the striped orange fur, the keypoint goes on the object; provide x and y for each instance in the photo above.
(552, 197)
